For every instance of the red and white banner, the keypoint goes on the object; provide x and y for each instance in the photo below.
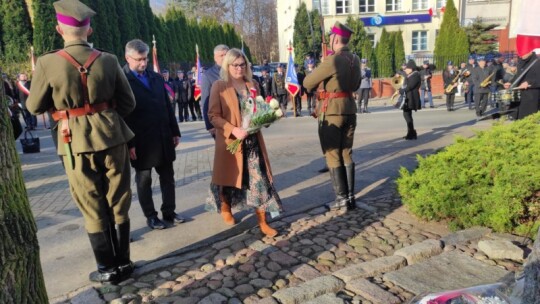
(197, 92)
(528, 27)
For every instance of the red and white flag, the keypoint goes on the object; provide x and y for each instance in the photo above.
(528, 27)
(154, 55)
(197, 91)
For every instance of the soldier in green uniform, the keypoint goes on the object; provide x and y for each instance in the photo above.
(88, 94)
(340, 75)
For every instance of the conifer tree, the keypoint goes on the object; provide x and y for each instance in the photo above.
(45, 38)
(16, 30)
(384, 55)
(399, 50)
(481, 41)
(126, 23)
(359, 37)
(144, 33)
(451, 43)
(302, 38)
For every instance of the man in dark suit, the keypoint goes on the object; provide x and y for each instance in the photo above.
(156, 136)
(207, 79)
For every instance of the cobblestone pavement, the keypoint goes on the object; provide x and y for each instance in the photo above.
(313, 258)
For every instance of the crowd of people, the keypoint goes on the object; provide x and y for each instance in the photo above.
(111, 119)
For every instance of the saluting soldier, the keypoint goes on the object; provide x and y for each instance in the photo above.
(340, 75)
(88, 94)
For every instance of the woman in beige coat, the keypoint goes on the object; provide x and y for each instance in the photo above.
(243, 179)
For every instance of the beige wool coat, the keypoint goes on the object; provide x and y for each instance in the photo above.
(224, 114)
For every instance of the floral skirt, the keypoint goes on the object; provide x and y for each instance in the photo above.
(257, 190)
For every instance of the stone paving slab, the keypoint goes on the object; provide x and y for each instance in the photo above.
(446, 271)
(367, 269)
(309, 290)
(420, 251)
(465, 236)
(372, 292)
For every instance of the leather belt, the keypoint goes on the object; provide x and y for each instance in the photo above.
(88, 109)
(326, 95)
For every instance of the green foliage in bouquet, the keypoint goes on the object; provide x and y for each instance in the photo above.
(492, 180)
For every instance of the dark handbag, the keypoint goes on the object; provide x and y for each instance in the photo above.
(30, 145)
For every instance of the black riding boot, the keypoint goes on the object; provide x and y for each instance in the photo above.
(349, 170)
(104, 252)
(339, 183)
(125, 266)
(411, 132)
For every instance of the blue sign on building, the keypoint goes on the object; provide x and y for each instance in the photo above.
(401, 19)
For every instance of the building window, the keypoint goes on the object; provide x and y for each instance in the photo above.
(343, 7)
(371, 38)
(419, 41)
(441, 3)
(393, 5)
(323, 4)
(367, 6)
(420, 4)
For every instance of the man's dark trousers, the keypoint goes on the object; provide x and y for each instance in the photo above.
(143, 179)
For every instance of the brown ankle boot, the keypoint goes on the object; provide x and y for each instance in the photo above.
(226, 212)
(267, 230)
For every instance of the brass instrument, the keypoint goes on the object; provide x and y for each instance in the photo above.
(487, 80)
(450, 87)
(397, 83)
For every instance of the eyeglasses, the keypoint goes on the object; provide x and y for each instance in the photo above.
(139, 59)
(236, 66)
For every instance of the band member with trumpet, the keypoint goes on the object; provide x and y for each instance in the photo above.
(450, 78)
(527, 80)
(481, 78)
(412, 97)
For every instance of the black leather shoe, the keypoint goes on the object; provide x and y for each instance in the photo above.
(176, 218)
(155, 223)
(125, 271)
(323, 170)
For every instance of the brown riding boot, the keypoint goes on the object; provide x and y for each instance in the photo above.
(267, 230)
(226, 212)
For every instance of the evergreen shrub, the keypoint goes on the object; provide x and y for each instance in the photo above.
(491, 180)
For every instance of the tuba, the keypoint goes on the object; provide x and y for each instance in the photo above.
(397, 83)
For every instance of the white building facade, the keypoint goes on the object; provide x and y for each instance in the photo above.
(419, 20)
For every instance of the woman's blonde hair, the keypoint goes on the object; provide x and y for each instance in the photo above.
(229, 58)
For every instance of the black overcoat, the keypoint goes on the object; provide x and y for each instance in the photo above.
(412, 96)
(152, 121)
(530, 98)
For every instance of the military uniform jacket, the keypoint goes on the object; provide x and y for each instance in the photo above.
(448, 78)
(278, 84)
(477, 76)
(339, 72)
(266, 85)
(56, 84)
(152, 121)
(182, 90)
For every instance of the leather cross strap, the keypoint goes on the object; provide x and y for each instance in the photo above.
(325, 95)
(83, 70)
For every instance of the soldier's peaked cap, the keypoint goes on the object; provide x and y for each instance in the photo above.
(341, 30)
(73, 13)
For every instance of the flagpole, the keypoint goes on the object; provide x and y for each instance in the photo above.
(154, 55)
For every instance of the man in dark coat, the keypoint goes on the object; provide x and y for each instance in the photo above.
(481, 93)
(412, 97)
(266, 83)
(182, 89)
(207, 79)
(425, 88)
(156, 136)
(528, 84)
(450, 77)
(278, 88)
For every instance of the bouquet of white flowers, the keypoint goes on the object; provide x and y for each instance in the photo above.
(255, 115)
